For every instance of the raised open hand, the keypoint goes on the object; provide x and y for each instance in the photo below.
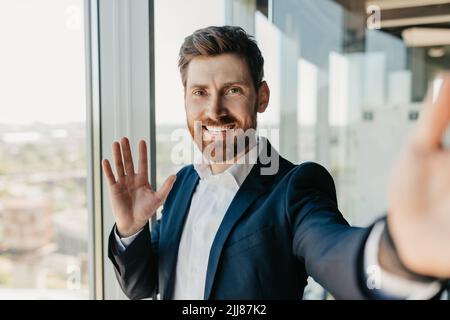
(419, 192)
(133, 200)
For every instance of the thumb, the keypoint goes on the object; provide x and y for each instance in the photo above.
(163, 192)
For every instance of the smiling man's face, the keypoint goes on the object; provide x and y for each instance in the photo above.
(221, 103)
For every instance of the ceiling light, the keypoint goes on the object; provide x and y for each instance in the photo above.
(426, 37)
(436, 52)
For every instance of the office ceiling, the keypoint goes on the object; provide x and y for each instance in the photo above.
(399, 14)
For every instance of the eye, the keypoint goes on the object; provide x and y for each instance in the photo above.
(234, 90)
(199, 93)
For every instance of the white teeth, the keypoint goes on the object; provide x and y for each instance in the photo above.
(217, 129)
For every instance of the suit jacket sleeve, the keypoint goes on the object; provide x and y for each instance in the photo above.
(331, 250)
(137, 267)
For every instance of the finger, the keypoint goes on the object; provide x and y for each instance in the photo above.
(127, 157)
(163, 192)
(117, 156)
(108, 172)
(142, 165)
(435, 118)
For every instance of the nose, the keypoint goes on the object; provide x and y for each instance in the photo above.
(216, 109)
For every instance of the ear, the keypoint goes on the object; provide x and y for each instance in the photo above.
(263, 97)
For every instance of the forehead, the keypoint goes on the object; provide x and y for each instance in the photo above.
(223, 68)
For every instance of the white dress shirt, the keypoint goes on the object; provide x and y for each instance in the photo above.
(211, 200)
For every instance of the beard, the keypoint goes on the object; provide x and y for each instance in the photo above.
(223, 140)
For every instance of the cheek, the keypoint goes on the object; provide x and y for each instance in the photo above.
(193, 112)
(242, 110)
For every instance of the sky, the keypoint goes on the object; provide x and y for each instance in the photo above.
(42, 69)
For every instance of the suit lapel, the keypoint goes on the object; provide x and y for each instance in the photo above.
(251, 189)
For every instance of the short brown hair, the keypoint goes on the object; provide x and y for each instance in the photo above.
(214, 40)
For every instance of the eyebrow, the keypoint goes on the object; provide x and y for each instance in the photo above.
(226, 84)
(241, 83)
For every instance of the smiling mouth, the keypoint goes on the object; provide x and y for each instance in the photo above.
(218, 129)
(217, 132)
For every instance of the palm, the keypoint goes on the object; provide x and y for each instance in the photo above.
(419, 194)
(133, 200)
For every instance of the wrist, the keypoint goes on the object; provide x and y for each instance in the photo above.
(125, 232)
(389, 259)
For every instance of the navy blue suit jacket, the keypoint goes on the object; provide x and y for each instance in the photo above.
(277, 230)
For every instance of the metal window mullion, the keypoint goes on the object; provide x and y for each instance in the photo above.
(93, 145)
(152, 120)
(125, 100)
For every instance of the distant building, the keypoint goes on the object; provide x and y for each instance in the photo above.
(26, 225)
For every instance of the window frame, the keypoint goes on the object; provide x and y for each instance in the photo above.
(119, 50)
(95, 253)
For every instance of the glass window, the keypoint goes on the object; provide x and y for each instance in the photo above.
(43, 209)
(348, 78)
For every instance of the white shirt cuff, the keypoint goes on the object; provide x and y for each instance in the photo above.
(387, 283)
(124, 243)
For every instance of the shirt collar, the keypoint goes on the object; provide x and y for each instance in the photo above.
(238, 171)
